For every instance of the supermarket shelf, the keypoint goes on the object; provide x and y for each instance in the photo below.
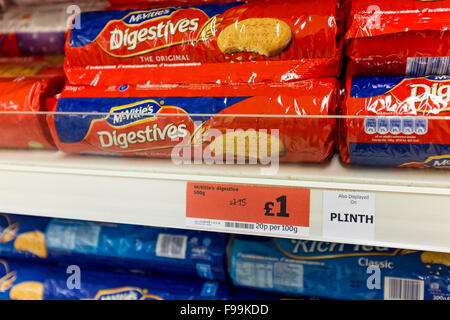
(412, 205)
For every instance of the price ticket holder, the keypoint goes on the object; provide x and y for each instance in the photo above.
(267, 210)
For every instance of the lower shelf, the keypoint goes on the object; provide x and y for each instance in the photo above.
(412, 205)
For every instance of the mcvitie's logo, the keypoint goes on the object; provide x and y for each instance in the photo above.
(123, 116)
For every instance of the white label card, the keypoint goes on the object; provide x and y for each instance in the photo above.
(348, 215)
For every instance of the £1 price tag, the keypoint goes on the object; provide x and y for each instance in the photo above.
(268, 210)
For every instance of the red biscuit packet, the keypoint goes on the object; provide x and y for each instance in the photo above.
(262, 120)
(396, 121)
(21, 99)
(408, 37)
(31, 66)
(179, 44)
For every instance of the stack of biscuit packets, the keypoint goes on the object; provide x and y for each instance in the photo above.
(397, 89)
(211, 82)
(37, 254)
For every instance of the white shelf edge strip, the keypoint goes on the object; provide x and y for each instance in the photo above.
(224, 179)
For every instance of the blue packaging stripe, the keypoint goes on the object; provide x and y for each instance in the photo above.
(366, 87)
(136, 247)
(158, 250)
(92, 23)
(120, 286)
(72, 128)
(57, 283)
(385, 154)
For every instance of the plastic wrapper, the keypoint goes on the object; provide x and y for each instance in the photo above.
(22, 108)
(39, 29)
(396, 121)
(251, 122)
(22, 280)
(31, 66)
(258, 41)
(395, 38)
(115, 246)
(301, 266)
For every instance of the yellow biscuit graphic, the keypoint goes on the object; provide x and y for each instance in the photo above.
(265, 36)
(7, 281)
(33, 242)
(249, 144)
(9, 233)
(436, 258)
(29, 290)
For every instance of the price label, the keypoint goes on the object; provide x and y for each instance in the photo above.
(256, 209)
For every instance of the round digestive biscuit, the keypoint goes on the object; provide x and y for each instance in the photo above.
(265, 36)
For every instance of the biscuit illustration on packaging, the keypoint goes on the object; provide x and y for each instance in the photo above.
(9, 233)
(29, 290)
(249, 144)
(7, 280)
(265, 36)
(429, 257)
(33, 242)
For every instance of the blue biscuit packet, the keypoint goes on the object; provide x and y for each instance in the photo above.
(23, 280)
(339, 271)
(97, 285)
(174, 251)
(164, 250)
